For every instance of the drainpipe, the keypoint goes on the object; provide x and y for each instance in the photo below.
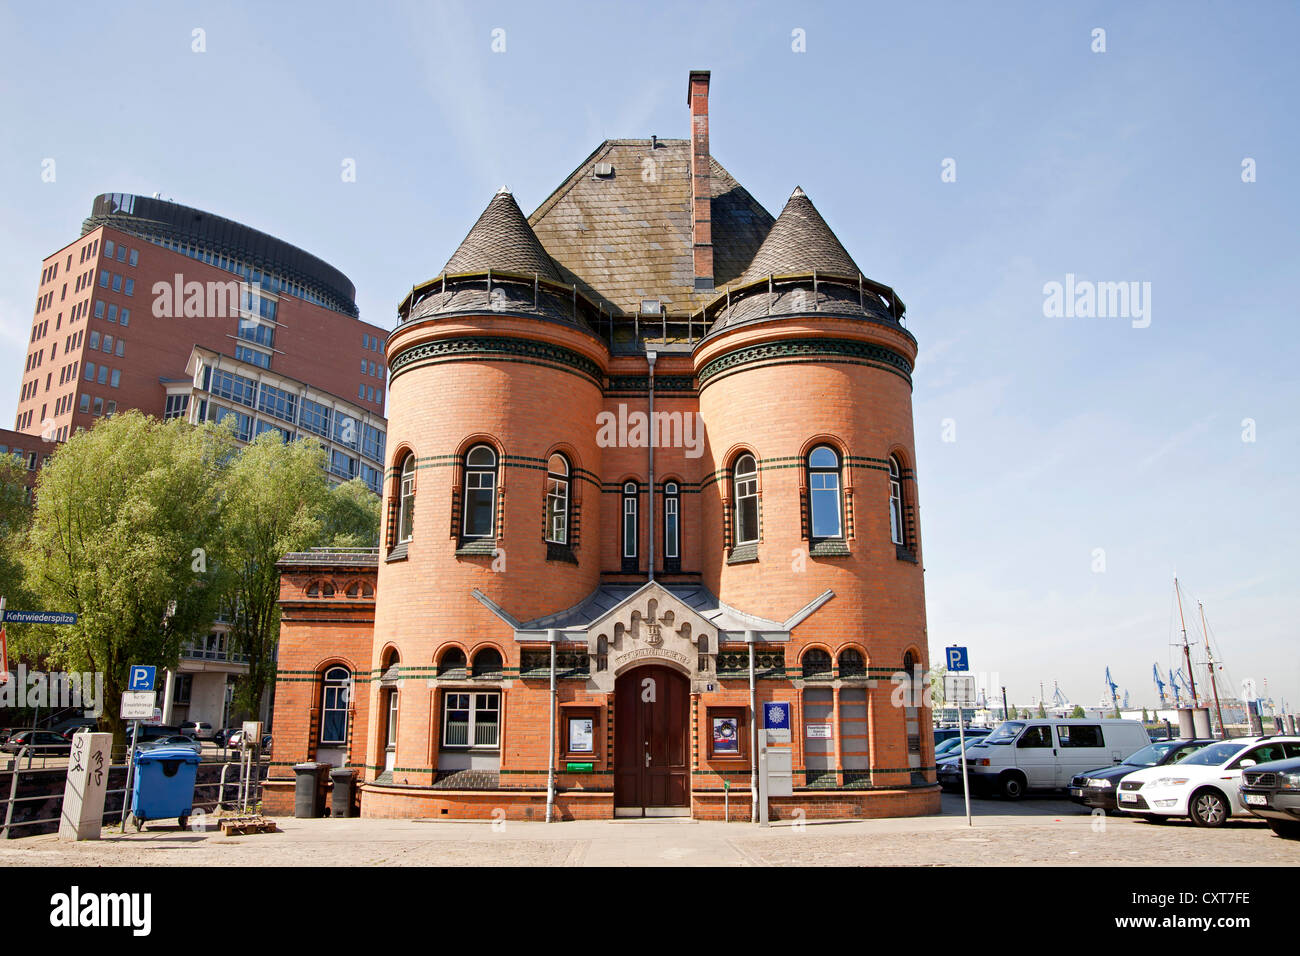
(650, 500)
(753, 734)
(551, 636)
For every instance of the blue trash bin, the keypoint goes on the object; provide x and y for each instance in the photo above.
(164, 785)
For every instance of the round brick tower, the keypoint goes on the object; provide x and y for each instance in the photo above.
(495, 388)
(805, 391)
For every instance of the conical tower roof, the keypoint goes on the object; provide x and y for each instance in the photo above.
(502, 240)
(800, 241)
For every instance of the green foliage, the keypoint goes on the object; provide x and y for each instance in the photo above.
(273, 499)
(1078, 711)
(1146, 717)
(120, 511)
(351, 518)
(1042, 711)
(15, 516)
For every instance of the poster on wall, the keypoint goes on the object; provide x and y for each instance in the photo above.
(726, 735)
(581, 735)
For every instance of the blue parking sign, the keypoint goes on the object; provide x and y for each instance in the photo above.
(957, 660)
(141, 677)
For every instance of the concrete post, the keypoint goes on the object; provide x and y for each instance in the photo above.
(83, 795)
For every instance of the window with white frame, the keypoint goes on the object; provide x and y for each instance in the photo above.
(895, 501)
(471, 719)
(745, 489)
(480, 487)
(406, 515)
(334, 706)
(557, 500)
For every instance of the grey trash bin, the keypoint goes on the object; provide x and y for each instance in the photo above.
(344, 780)
(309, 789)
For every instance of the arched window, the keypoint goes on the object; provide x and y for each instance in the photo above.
(480, 488)
(557, 500)
(744, 486)
(896, 501)
(452, 663)
(852, 664)
(824, 493)
(672, 527)
(816, 664)
(631, 525)
(334, 706)
(487, 663)
(406, 494)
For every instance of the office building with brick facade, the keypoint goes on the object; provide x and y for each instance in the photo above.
(180, 313)
(649, 486)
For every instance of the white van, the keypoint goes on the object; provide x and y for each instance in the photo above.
(1044, 753)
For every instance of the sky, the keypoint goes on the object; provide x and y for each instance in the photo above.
(1068, 466)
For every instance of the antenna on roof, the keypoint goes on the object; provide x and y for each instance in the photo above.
(503, 191)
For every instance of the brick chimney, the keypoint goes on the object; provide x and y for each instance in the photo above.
(697, 98)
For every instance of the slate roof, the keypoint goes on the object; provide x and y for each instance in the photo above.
(628, 236)
(502, 240)
(800, 241)
(695, 596)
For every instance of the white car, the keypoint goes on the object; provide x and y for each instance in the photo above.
(1203, 786)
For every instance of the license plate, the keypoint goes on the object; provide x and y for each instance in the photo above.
(1129, 797)
(1257, 799)
(1076, 792)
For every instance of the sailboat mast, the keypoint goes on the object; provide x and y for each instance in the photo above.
(1209, 657)
(1187, 651)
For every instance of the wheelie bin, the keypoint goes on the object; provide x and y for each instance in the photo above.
(164, 785)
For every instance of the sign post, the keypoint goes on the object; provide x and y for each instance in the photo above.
(137, 704)
(963, 689)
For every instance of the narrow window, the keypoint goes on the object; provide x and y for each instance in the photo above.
(895, 501)
(824, 492)
(672, 519)
(480, 485)
(745, 492)
(406, 520)
(557, 500)
(630, 523)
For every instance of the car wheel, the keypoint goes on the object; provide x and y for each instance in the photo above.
(1013, 786)
(1208, 808)
(1285, 828)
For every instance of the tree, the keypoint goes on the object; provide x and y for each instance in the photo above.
(122, 511)
(937, 693)
(1146, 717)
(274, 500)
(1078, 711)
(351, 518)
(1042, 712)
(15, 517)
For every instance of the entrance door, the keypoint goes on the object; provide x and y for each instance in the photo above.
(650, 720)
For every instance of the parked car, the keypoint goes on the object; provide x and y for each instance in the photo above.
(1097, 788)
(222, 736)
(1046, 753)
(7, 732)
(150, 732)
(86, 724)
(198, 729)
(948, 768)
(1272, 791)
(173, 740)
(236, 739)
(1204, 786)
(38, 742)
(66, 728)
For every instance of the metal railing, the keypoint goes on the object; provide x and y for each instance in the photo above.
(228, 791)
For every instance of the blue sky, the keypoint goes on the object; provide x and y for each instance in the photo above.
(1072, 434)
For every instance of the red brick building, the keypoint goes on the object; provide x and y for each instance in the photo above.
(181, 313)
(763, 547)
(119, 310)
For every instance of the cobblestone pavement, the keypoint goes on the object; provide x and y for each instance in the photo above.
(1037, 832)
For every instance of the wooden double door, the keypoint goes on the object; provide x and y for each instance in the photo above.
(651, 762)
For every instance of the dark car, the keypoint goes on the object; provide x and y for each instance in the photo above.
(150, 732)
(948, 767)
(1272, 791)
(173, 740)
(37, 742)
(1096, 788)
(222, 737)
(86, 724)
